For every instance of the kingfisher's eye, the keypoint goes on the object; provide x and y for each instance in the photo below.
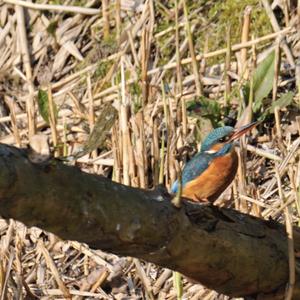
(223, 139)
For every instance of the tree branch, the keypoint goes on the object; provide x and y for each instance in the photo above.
(230, 252)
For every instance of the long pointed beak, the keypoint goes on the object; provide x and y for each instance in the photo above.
(241, 131)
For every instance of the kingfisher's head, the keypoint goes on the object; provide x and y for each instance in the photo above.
(221, 139)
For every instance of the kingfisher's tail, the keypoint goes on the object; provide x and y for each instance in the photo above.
(174, 187)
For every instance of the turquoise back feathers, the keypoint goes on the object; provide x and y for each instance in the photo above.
(200, 162)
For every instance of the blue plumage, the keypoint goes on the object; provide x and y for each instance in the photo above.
(214, 136)
(200, 162)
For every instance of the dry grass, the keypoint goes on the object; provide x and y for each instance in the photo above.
(122, 56)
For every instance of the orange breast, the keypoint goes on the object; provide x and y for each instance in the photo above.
(214, 180)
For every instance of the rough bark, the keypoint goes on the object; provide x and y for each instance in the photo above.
(230, 252)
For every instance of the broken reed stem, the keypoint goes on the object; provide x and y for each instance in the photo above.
(244, 39)
(290, 240)
(192, 51)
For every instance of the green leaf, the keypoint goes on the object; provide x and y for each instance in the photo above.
(205, 108)
(51, 29)
(284, 100)
(262, 81)
(99, 133)
(43, 104)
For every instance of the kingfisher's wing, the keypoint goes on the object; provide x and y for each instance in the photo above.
(196, 166)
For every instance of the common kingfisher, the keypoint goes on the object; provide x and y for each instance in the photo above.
(210, 171)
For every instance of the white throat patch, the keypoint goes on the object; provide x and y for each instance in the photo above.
(211, 151)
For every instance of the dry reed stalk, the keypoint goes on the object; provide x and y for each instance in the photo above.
(26, 62)
(54, 271)
(155, 151)
(11, 105)
(60, 8)
(244, 71)
(144, 279)
(293, 180)
(274, 94)
(92, 67)
(133, 50)
(2, 275)
(255, 201)
(242, 176)
(234, 48)
(276, 28)
(137, 125)
(290, 240)
(227, 67)
(286, 9)
(162, 160)
(166, 167)
(7, 274)
(151, 24)
(100, 280)
(118, 151)
(105, 16)
(145, 51)
(276, 71)
(263, 153)
(92, 254)
(91, 114)
(161, 280)
(124, 128)
(179, 88)
(18, 265)
(171, 134)
(194, 63)
(118, 19)
(178, 65)
(282, 167)
(52, 121)
(132, 161)
(79, 109)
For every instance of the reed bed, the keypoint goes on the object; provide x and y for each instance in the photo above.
(154, 61)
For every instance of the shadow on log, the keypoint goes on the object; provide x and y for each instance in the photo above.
(225, 250)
